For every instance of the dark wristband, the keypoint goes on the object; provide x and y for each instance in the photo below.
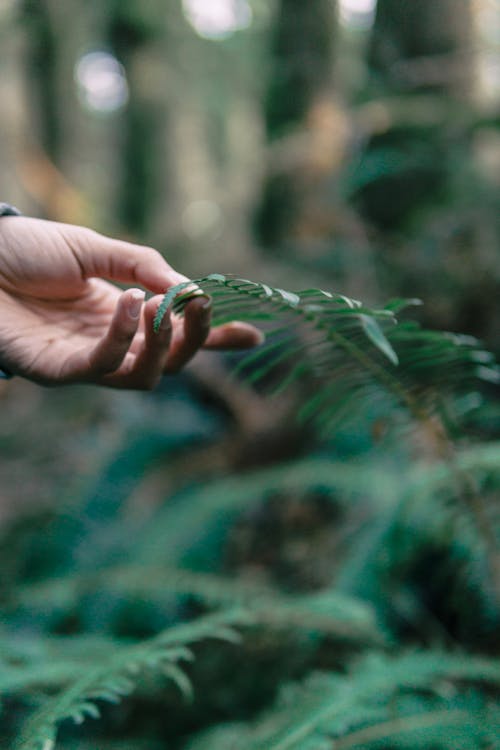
(7, 210)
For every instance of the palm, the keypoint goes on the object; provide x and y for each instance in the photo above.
(49, 335)
(61, 322)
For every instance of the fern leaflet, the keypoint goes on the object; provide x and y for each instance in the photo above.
(117, 675)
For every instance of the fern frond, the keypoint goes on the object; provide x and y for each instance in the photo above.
(418, 513)
(125, 743)
(339, 343)
(351, 353)
(328, 707)
(328, 612)
(441, 727)
(452, 727)
(179, 534)
(117, 675)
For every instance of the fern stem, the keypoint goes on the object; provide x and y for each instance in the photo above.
(391, 727)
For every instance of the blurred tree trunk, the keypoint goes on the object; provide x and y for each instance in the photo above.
(14, 107)
(301, 213)
(428, 200)
(302, 51)
(298, 109)
(55, 132)
(417, 49)
(424, 44)
(42, 62)
(138, 35)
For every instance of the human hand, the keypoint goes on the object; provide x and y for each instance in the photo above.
(62, 322)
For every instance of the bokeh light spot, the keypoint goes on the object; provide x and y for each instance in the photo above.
(217, 19)
(101, 80)
(357, 14)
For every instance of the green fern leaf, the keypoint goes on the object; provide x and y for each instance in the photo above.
(328, 612)
(374, 701)
(349, 350)
(117, 675)
(331, 701)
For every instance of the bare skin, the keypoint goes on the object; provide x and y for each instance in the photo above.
(62, 321)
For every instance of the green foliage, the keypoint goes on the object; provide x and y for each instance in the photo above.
(406, 511)
(328, 707)
(328, 612)
(344, 347)
(117, 674)
(402, 515)
(359, 563)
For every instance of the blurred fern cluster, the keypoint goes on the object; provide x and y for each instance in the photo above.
(334, 588)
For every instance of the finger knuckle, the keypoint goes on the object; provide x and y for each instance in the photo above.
(150, 255)
(108, 364)
(103, 368)
(123, 339)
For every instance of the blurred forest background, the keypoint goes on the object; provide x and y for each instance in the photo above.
(350, 145)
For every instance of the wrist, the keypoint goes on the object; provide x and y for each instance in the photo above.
(7, 210)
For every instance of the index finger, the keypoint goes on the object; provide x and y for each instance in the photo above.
(117, 260)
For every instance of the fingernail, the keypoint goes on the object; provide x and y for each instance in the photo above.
(165, 324)
(207, 305)
(135, 304)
